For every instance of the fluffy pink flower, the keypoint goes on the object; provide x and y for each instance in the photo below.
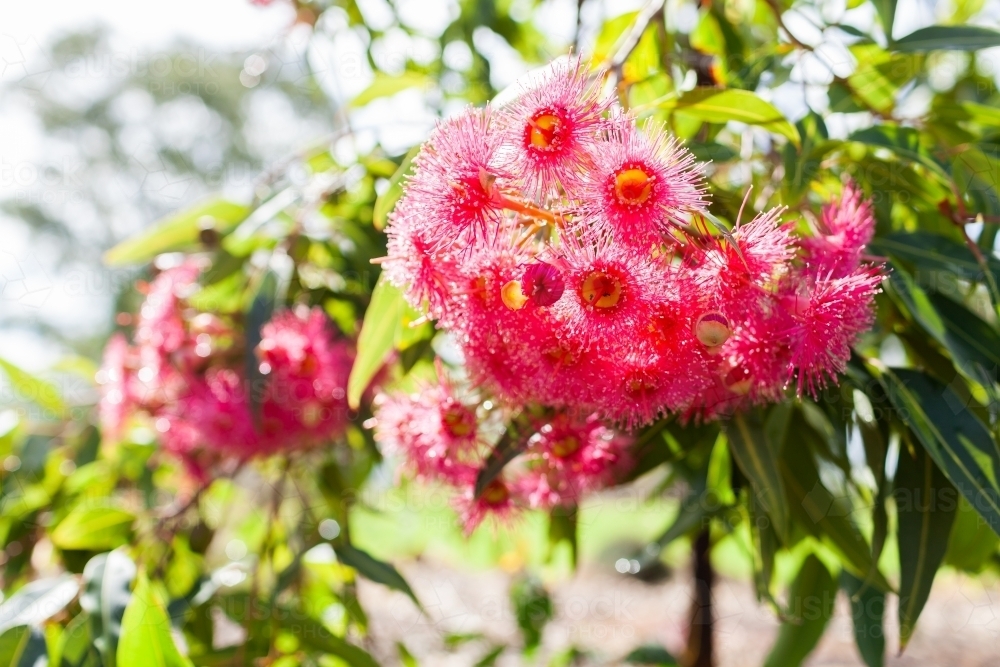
(642, 184)
(552, 127)
(847, 226)
(115, 379)
(455, 188)
(499, 501)
(161, 323)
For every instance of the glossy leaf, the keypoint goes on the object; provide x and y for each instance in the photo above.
(318, 637)
(96, 528)
(374, 569)
(758, 459)
(925, 505)
(810, 607)
(37, 601)
(948, 37)
(887, 14)
(23, 646)
(107, 590)
(146, 640)
(867, 614)
(955, 438)
(43, 394)
(651, 655)
(386, 85)
(715, 105)
(905, 142)
(386, 201)
(972, 545)
(375, 341)
(937, 257)
(179, 231)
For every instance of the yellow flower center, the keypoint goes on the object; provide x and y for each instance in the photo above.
(601, 290)
(495, 493)
(633, 186)
(512, 296)
(458, 421)
(565, 446)
(542, 131)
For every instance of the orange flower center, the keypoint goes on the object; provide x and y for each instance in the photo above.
(633, 186)
(601, 290)
(543, 131)
(458, 421)
(512, 296)
(565, 446)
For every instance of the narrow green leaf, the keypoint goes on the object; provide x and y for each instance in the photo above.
(386, 201)
(178, 231)
(491, 657)
(867, 613)
(887, 14)
(948, 37)
(38, 391)
(972, 545)
(937, 258)
(145, 640)
(376, 338)
(374, 569)
(107, 589)
(23, 647)
(651, 655)
(925, 505)
(957, 441)
(385, 85)
(758, 459)
(37, 601)
(810, 607)
(716, 105)
(316, 636)
(903, 141)
(405, 657)
(93, 528)
(260, 311)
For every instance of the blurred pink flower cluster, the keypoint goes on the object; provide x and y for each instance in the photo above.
(565, 246)
(442, 438)
(185, 371)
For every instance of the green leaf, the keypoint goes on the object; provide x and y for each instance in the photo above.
(385, 85)
(178, 231)
(262, 307)
(972, 545)
(405, 657)
(89, 528)
(386, 201)
(23, 647)
(810, 607)
(75, 645)
(37, 601)
(925, 505)
(948, 37)
(867, 612)
(887, 14)
(937, 257)
(374, 569)
(532, 609)
(145, 640)
(376, 338)
(316, 636)
(491, 657)
(758, 459)
(107, 589)
(903, 141)
(651, 655)
(715, 105)
(957, 441)
(39, 392)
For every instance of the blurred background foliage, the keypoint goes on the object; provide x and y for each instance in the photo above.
(281, 165)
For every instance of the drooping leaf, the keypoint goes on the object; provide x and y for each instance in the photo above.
(107, 589)
(758, 459)
(887, 14)
(972, 545)
(178, 231)
(23, 646)
(38, 391)
(145, 638)
(810, 607)
(506, 449)
(386, 85)
(716, 105)
(260, 311)
(948, 37)
(867, 613)
(93, 528)
(925, 505)
(957, 441)
(37, 601)
(374, 569)
(376, 338)
(386, 201)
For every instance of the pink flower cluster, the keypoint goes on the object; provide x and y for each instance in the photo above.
(564, 245)
(442, 438)
(186, 372)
